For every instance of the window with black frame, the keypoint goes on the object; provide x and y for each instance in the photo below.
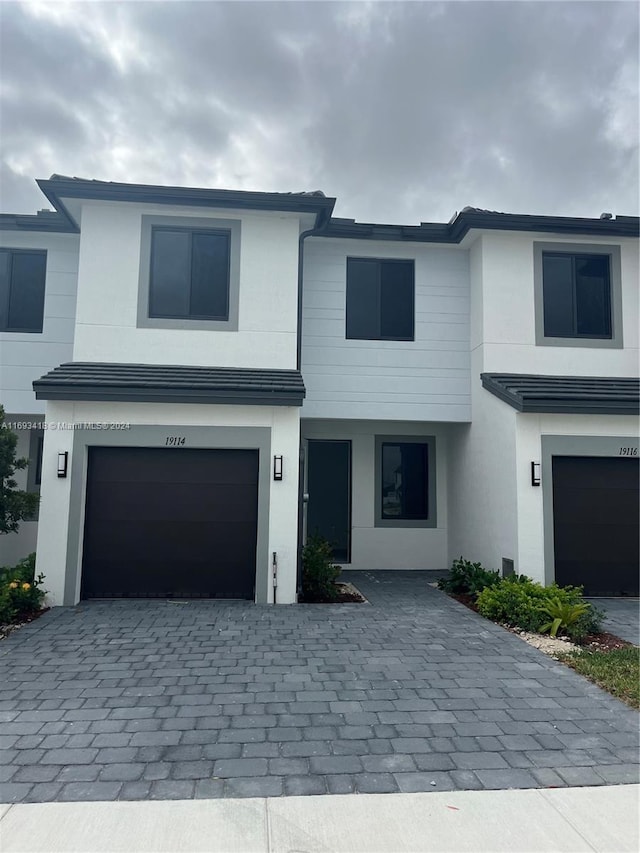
(22, 287)
(380, 303)
(405, 481)
(576, 295)
(189, 276)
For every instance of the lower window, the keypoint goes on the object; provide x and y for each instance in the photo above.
(405, 482)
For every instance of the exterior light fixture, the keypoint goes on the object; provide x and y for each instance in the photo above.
(277, 467)
(63, 461)
(535, 473)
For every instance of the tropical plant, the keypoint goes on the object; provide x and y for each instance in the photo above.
(562, 614)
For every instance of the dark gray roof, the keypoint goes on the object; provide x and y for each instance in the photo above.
(470, 217)
(160, 383)
(574, 394)
(43, 220)
(59, 187)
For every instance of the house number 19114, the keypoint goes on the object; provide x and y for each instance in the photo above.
(628, 451)
(175, 441)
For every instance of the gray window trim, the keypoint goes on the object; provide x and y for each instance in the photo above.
(615, 284)
(24, 251)
(205, 437)
(569, 445)
(189, 224)
(429, 440)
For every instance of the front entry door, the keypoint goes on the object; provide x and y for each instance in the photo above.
(329, 489)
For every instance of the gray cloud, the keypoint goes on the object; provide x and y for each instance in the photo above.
(405, 111)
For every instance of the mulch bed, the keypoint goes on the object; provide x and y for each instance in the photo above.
(602, 642)
(21, 620)
(466, 599)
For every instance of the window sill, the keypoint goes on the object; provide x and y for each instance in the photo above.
(586, 343)
(187, 324)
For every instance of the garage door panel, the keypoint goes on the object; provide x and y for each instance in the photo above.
(153, 579)
(578, 542)
(186, 465)
(180, 527)
(597, 472)
(617, 580)
(128, 541)
(596, 529)
(173, 503)
(582, 506)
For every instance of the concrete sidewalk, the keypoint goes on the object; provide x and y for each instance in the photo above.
(567, 819)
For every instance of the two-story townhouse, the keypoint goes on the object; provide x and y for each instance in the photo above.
(468, 388)
(171, 447)
(472, 389)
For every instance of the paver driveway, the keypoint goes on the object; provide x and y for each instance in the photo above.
(622, 617)
(411, 692)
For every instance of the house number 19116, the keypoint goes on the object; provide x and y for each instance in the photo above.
(175, 441)
(628, 451)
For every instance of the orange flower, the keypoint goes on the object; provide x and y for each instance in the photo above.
(13, 585)
(26, 586)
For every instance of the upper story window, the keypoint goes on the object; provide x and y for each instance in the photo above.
(578, 295)
(189, 273)
(380, 299)
(22, 280)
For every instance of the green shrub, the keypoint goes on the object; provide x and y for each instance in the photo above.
(467, 577)
(7, 610)
(21, 593)
(590, 622)
(319, 573)
(562, 615)
(521, 602)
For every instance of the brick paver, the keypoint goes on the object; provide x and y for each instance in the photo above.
(622, 617)
(411, 692)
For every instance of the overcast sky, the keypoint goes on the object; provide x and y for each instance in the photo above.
(406, 111)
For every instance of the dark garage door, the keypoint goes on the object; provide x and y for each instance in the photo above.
(163, 523)
(595, 510)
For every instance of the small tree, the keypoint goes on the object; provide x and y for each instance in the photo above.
(16, 505)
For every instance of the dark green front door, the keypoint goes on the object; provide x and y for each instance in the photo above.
(329, 489)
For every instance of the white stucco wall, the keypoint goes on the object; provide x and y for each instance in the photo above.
(508, 312)
(26, 356)
(109, 270)
(387, 547)
(482, 482)
(426, 379)
(283, 422)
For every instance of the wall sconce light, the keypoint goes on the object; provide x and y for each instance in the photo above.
(63, 460)
(277, 467)
(535, 473)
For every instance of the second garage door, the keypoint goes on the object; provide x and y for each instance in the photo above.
(170, 523)
(595, 510)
